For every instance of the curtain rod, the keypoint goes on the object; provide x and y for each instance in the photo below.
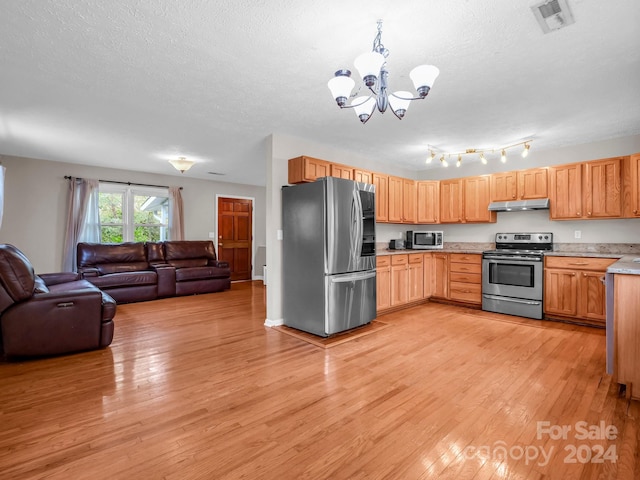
(67, 177)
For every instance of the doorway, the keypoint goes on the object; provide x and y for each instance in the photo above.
(235, 235)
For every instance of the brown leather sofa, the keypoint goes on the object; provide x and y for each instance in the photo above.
(139, 271)
(51, 313)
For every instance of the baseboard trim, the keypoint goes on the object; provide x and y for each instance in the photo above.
(274, 323)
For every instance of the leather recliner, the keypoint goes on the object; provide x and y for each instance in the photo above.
(52, 313)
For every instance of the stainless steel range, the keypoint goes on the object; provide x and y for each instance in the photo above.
(512, 275)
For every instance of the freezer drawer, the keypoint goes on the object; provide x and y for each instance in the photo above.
(350, 302)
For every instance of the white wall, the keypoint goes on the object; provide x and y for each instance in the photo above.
(35, 210)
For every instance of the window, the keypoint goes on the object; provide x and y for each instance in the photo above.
(133, 214)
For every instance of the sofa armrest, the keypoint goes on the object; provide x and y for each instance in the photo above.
(216, 263)
(86, 272)
(166, 279)
(59, 277)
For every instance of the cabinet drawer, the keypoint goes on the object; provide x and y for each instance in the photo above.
(415, 258)
(465, 267)
(579, 263)
(466, 292)
(399, 259)
(383, 261)
(474, 258)
(474, 278)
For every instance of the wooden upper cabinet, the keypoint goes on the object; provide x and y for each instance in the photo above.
(395, 199)
(519, 185)
(381, 183)
(428, 205)
(308, 169)
(362, 176)
(565, 191)
(504, 186)
(634, 186)
(602, 196)
(409, 199)
(451, 201)
(533, 183)
(477, 198)
(341, 171)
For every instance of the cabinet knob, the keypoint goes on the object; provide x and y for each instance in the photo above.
(584, 274)
(588, 214)
(513, 196)
(635, 212)
(578, 214)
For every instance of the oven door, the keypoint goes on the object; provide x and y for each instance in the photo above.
(516, 277)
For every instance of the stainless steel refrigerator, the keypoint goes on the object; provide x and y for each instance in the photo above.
(329, 277)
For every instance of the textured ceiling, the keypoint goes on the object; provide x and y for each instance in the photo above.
(129, 84)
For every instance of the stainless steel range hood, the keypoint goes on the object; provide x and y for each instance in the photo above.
(520, 205)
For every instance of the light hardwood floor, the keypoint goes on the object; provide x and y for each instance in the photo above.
(197, 387)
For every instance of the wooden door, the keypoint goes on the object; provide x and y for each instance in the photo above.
(635, 185)
(362, 176)
(592, 296)
(533, 183)
(602, 195)
(399, 279)
(382, 197)
(341, 171)
(235, 220)
(504, 187)
(440, 275)
(561, 292)
(395, 199)
(476, 200)
(383, 282)
(428, 201)
(451, 201)
(427, 270)
(409, 198)
(416, 277)
(565, 191)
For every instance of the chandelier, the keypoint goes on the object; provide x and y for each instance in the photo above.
(372, 67)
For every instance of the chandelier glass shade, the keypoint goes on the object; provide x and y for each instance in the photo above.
(372, 69)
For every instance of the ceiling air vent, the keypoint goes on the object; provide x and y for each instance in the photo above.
(553, 15)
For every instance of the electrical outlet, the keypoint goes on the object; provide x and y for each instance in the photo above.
(577, 234)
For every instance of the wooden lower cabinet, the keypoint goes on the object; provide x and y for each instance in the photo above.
(416, 277)
(574, 288)
(427, 270)
(440, 275)
(383, 282)
(465, 278)
(399, 279)
(626, 305)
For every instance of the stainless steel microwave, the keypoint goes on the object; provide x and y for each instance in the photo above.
(424, 239)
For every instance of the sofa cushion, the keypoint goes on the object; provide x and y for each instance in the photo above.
(199, 273)
(124, 279)
(155, 252)
(107, 268)
(16, 274)
(189, 263)
(189, 249)
(92, 254)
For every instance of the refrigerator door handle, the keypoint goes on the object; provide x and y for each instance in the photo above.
(357, 221)
(355, 277)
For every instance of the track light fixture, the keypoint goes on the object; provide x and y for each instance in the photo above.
(481, 153)
(372, 67)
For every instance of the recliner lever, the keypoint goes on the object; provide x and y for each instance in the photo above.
(65, 304)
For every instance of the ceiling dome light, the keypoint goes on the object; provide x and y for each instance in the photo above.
(372, 69)
(182, 164)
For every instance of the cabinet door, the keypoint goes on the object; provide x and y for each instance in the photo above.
(565, 191)
(635, 185)
(504, 187)
(591, 296)
(428, 206)
(451, 201)
(362, 176)
(395, 199)
(399, 285)
(602, 195)
(440, 275)
(382, 197)
(341, 171)
(307, 169)
(476, 199)
(561, 292)
(416, 277)
(533, 183)
(427, 270)
(627, 333)
(409, 199)
(383, 284)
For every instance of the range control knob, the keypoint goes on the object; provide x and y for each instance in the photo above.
(539, 237)
(546, 237)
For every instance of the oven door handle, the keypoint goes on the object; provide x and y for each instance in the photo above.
(512, 300)
(512, 259)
